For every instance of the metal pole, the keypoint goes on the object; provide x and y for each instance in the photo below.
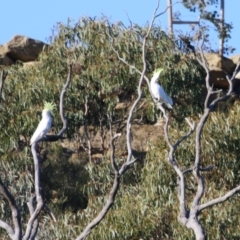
(170, 24)
(221, 40)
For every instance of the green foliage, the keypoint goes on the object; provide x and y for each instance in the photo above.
(146, 203)
(63, 180)
(208, 12)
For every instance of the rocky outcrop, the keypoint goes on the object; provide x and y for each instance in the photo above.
(4, 59)
(218, 77)
(20, 48)
(235, 58)
(219, 68)
(223, 63)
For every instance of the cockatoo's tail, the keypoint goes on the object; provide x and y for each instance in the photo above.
(49, 106)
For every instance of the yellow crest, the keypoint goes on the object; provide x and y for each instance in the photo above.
(49, 106)
(157, 72)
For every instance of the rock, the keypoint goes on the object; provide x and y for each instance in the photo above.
(223, 63)
(24, 49)
(235, 58)
(4, 59)
(219, 80)
(218, 77)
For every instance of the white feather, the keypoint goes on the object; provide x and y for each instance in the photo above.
(43, 127)
(159, 93)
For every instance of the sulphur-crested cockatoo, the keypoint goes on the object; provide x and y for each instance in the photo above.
(157, 90)
(45, 124)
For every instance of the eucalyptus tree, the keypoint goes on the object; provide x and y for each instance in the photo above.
(191, 210)
(213, 11)
(107, 60)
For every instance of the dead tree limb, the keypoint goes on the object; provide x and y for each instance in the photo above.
(16, 232)
(189, 217)
(32, 225)
(119, 171)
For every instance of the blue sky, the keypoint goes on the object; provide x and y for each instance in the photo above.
(35, 19)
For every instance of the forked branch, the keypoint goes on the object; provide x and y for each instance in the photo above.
(16, 232)
(119, 171)
(32, 224)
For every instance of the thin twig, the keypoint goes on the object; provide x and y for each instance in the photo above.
(200, 169)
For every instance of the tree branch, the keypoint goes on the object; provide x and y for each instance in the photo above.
(200, 169)
(220, 199)
(172, 161)
(53, 138)
(124, 167)
(2, 80)
(36, 222)
(38, 193)
(32, 224)
(61, 106)
(15, 233)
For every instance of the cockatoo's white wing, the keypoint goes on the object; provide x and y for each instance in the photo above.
(157, 90)
(42, 129)
(165, 98)
(159, 93)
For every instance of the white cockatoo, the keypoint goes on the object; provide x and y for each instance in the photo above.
(157, 90)
(45, 124)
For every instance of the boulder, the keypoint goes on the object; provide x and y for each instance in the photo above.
(235, 58)
(218, 77)
(24, 49)
(219, 80)
(223, 63)
(4, 59)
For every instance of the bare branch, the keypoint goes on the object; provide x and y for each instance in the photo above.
(104, 211)
(220, 199)
(139, 86)
(2, 80)
(8, 228)
(61, 106)
(50, 213)
(172, 161)
(200, 169)
(192, 125)
(201, 124)
(236, 69)
(36, 222)
(32, 224)
(112, 147)
(39, 199)
(118, 173)
(158, 15)
(128, 64)
(53, 138)
(17, 231)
